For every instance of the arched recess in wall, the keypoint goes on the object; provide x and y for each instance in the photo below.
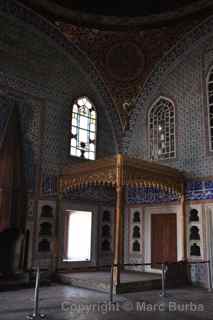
(170, 60)
(74, 53)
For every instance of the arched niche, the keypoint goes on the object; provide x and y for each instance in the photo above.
(44, 246)
(136, 247)
(46, 212)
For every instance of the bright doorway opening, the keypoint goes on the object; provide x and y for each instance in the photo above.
(79, 235)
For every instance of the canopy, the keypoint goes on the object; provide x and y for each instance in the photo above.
(122, 170)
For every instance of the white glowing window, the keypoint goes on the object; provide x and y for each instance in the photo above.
(79, 236)
(210, 108)
(83, 129)
(162, 130)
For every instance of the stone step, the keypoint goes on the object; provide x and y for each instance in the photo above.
(95, 282)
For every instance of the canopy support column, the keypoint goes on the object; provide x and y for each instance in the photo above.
(119, 222)
(184, 226)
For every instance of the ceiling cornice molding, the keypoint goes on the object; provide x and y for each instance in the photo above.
(61, 13)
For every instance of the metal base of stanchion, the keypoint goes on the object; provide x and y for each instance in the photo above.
(36, 317)
(163, 295)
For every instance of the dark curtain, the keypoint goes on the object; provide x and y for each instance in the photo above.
(12, 189)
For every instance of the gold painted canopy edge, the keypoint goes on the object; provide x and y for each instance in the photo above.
(135, 173)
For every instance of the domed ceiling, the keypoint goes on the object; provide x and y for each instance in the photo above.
(118, 13)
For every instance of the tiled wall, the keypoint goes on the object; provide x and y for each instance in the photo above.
(43, 79)
(183, 81)
(46, 80)
(56, 145)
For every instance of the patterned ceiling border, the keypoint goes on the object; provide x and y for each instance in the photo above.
(11, 7)
(166, 64)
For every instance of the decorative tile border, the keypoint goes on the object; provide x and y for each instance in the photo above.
(49, 184)
(96, 194)
(199, 274)
(199, 190)
(149, 195)
(195, 190)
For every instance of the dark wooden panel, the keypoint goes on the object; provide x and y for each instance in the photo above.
(163, 238)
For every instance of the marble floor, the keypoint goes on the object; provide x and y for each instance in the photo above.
(61, 302)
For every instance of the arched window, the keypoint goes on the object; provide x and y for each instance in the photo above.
(210, 107)
(83, 129)
(162, 130)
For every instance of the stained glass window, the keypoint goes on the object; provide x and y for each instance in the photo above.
(210, 109)
(162, 130)
(83, 129)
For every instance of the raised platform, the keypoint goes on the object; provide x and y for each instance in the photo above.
(100, 281)
(23, 280)
(16, 281)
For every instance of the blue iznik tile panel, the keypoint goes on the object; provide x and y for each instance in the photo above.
(149, 195)
(199, 190)
(49, 184)
(199, 274)
(195, 190)
(100, 194)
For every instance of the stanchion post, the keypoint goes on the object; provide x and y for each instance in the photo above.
(163, 289)
(111, 284)
(36, 315)
(209, 277)
(36, 299)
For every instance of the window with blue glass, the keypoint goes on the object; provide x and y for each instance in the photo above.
(83, 129)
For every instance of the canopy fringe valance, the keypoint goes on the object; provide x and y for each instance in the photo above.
(124, 171)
